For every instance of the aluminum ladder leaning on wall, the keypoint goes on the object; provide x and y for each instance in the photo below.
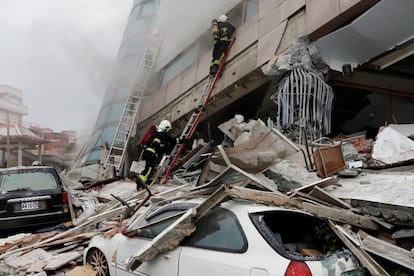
(128, 118)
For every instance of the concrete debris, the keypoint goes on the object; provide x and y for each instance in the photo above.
(261, 152)
(301, 54)
(259, 165)
(240, 131)
(392, 146)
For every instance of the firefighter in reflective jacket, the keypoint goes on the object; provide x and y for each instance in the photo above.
(222, 31)
(161, 142)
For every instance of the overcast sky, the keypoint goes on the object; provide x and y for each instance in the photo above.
(60, 53)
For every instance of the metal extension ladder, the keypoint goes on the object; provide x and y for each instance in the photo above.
(128, 118)
(196, 115)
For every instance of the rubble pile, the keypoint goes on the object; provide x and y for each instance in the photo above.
(349, 181)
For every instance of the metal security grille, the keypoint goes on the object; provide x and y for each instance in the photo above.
(305, 97)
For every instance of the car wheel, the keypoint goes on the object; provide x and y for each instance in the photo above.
(97, 260)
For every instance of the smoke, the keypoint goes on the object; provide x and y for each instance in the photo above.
(182, 21)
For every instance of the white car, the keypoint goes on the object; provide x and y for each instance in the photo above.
(235, 238)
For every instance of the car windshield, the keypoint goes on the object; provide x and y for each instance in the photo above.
(35, 180)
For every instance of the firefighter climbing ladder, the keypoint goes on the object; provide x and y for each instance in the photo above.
(195, 116)
(127, 121)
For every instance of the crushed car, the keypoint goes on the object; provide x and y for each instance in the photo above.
(32, 196)
(235, 237)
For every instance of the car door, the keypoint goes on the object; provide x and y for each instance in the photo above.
(153, 225)
(163, 264)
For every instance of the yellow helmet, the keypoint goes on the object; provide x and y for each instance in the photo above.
(164, 125)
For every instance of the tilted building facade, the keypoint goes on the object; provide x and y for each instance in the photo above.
(366, 60)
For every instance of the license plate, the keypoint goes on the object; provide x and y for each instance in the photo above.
(30, 205)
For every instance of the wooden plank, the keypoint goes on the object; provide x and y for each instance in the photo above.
(311, 199)
(340, 215)
(386, 250)
(383, 223)
(322, 195)
(365, 259)
(78, 237)
(403, 233)
(80, 228)
(165, 241)
(320, 183)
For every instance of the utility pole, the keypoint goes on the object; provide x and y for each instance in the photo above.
(8, 141)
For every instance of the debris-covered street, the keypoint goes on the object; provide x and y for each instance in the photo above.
(369, 208)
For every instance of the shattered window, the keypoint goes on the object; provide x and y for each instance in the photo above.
(157, 222)
(218, 230)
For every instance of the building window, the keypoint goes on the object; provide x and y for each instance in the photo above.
(147, 8)
(184, 60)
(252, 8)
(143, 9)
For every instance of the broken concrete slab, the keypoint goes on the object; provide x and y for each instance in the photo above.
(62, 259)
(290, 175)
(37, 266)
(395, 214)
(259, 179)
(29, 258)
(393, 188)
(261, 152)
